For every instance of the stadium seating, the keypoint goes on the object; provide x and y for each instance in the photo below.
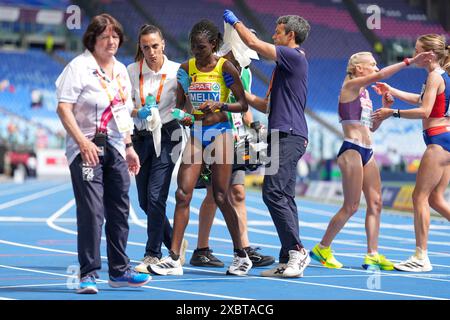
(44, 4)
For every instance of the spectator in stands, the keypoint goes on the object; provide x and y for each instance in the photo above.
(154, 74)
(203, 256)
(207, 80)
(289, 134)
(433, 108)
(94, 95)
(360, 172)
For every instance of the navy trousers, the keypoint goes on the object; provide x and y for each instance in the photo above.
(279, 190)
(103, 198)
(153, 183)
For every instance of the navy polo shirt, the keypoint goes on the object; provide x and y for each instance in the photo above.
(289, 90)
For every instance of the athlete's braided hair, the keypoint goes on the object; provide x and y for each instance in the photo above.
(208, 29)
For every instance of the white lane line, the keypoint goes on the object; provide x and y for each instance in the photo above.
(35, 285)
(423, 276)
(51, 220)
(326, 213)
(5, 298)
(22, 245)
(34, 196)
(34, 220)
(135, 219)
(21, 189)
(320, 276)
(353, 222)
(350, 224)
(346, 242)
(218, 272)
(357, 289)
(146, 286)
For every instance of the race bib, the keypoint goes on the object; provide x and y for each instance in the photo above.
(200, 92)
(366, 112)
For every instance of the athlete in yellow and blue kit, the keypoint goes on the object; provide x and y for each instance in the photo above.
(207, 81)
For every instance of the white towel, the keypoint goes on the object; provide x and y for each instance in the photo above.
(232, 42)
(154, 125)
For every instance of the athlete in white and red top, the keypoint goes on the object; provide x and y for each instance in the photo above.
(432, 178)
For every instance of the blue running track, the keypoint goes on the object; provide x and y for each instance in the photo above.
(38, 253)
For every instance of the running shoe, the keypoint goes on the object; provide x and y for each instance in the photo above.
(325, 257)
(377, 262)
(167, 266)
(276, 272)
(239, 266)
(148, 260)
(414, 264)
(130, 278)
(88, 285)
(205, 258)
(258, 259)
(298, 261)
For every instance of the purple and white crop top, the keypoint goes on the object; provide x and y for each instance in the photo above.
(357, 111)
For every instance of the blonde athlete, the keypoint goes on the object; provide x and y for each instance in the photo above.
(355, 159)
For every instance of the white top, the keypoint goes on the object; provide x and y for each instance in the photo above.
(152, 83)
(80, 85)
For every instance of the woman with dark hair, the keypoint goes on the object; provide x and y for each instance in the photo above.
(94, 105)
(153, 75)
(205, 84)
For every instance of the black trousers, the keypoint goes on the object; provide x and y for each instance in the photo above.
(103, 198)
(279, 191)
(153, 183)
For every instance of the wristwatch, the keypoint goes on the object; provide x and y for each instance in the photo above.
(128, 145)
(396, 113)
(224, 107)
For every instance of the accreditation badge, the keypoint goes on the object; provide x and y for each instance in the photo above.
(123, 119)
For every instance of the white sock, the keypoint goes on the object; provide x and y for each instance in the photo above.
(420, 253)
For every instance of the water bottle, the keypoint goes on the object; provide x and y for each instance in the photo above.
(180, 114)
(150, 101)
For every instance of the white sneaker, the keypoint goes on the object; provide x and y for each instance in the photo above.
(143, 267)
(240, 266)
(298, 261)
(414, 264)
(167, 266)
(275, 272)
(184, 245)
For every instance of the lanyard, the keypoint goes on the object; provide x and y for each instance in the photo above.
(107, 115)
(105, 87)
(141, 85)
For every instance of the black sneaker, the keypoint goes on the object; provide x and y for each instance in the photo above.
(258, 259)
(205, 258)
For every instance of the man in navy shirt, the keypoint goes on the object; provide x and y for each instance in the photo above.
(285, 102)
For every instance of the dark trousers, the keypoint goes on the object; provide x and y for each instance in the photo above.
(153, 183)
(279, 191)
(103, 198)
